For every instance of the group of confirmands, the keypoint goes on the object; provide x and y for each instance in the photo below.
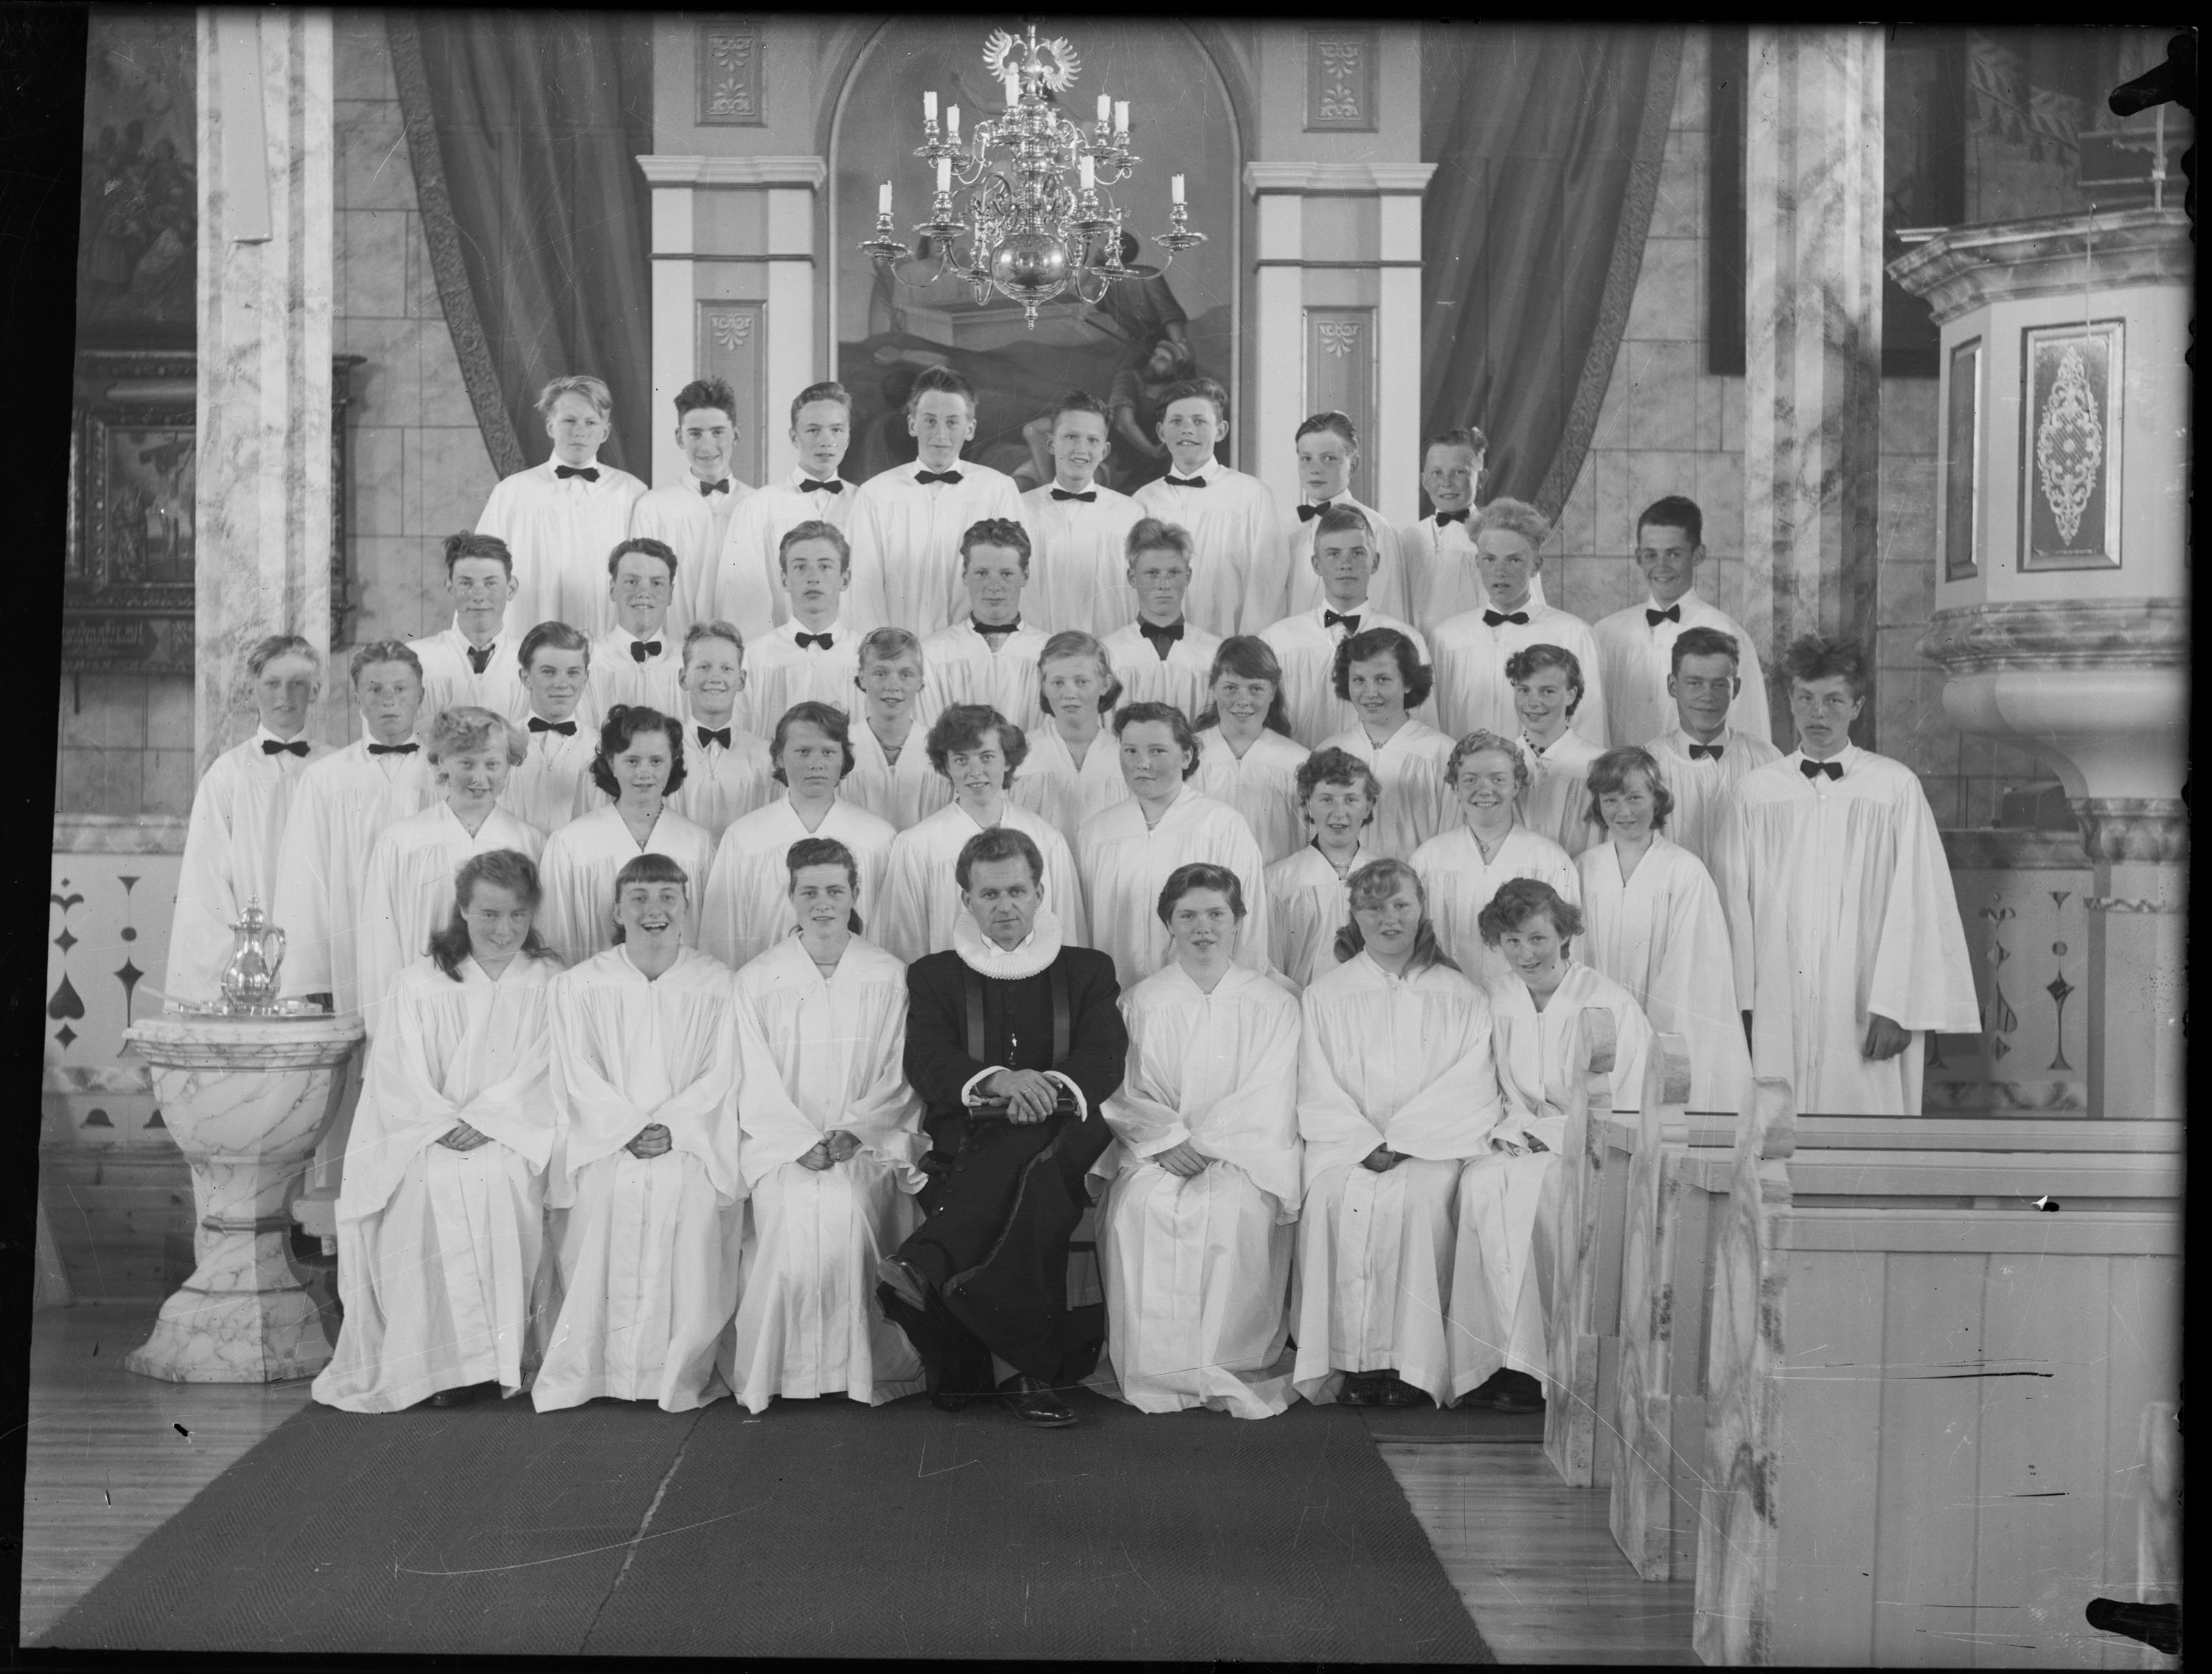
(750, 888)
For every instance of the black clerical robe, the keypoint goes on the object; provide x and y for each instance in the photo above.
(1003, 1197)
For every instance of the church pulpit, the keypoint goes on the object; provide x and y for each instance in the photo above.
(1582, 1309)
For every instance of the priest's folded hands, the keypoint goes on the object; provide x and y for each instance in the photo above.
(1030, 1094)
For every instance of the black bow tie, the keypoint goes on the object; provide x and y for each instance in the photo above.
(1705, 751)
(998, 631)
(566, 728)
(1306, 514)
(1088, 497)
(1330, 619)
(298, 747)
(1672, 613)
(715, 735)
(815, 484)
(1459, 516)
(805, 640)
(1814, 769)
(705, 489)
(1174, 481)
(479, 661)
(590, 473)
(641, 649)
(1161, 637)
(1492, 618)
(937, 476)
(393, 749)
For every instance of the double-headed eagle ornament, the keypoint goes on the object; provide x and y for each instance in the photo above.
(1054, 61)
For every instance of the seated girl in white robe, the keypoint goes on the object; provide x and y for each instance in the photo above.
(1246, 755)
(648, 1202)
(1195, 1232)
(1508, 1194)
(639, 764)
(1464, 866)
(1073, 768)
(1397, 1089)
(440, 1218)
(1309, 893)
(1656, 927)
(831, 1141)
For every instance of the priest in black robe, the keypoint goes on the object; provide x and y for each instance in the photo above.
(1013, 1042)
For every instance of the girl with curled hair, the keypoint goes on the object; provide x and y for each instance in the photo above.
(1396, 1090)
(1246, 755)
(1379, 672)
(1488, 777)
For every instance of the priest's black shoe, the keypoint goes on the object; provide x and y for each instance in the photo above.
(1032, 1401)
(904, 1281)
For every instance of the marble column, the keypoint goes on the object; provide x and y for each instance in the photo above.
(265, 268)
(1813, 197)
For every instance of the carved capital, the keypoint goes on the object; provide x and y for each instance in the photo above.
(2140, 831)
(2041, 635)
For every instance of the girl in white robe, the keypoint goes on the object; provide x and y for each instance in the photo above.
(1397, 1089)
(1309, 894)
(440, 1217)
(891, 775)
(1656, 927)
(1547, 689)
(832, 1142)
(1379, 673)
(640, 761)
(1194, 1234)
(1074, 767)
(1246, 755)
(648, 1197)
(1508, 1193)
(408, 891)
(1463, 867)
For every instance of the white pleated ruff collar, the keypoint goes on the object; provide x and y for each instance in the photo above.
(985, 958)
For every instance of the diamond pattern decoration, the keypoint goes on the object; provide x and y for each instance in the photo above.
(65, 1035)
(65, 940)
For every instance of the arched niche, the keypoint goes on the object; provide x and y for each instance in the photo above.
(1184, 120)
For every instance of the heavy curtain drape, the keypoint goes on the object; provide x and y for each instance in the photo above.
(1548, 142)
(523, 128)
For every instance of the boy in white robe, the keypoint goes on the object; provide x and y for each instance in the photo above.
(811, 656)
(740, 586)
(1486, 775)
(1380, 674)
(1656, 926)
(747, 908)
(1328, 452)
(640, 761)
(1074, 767)
(560, 519)
(1344, 555)
(552, 783)
(1702, 755)
(1309, 893)
(1194, 1233)
(1547, 689)
(832, 1135)
(1080, 529)
(240, 811)
(644, 1181)
(908, 521)
(407, 891)
(989, 655)
(1845, 927)
(1637, 643)
(1124, 854)
(440, 1216)
(475, 661)
(638, 660)
(1246, 755)
(1509, 1202)
(1161, 658)
(726, 771)
(1473, 693)
(892, 775)
(1397, 1089)
(1235, 530)
(1443, 579)
(691, 516)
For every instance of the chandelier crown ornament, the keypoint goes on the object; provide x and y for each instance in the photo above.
(1004, 192)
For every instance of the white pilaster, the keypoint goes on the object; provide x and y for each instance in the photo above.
(1398, 342)
(674, 353)
(1278, 336)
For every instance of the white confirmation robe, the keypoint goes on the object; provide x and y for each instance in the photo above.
(744, 587)
(1308, 902)
(746, 908)
(1237, 536)
(1147, 677)
(1840, 906)
(920, 902)
(450, 679)
(1079, 569)
(1303, 589)
(1460, 886)
(648, 1248)
(1402, 1061)
(1306, 647)
(906, 544)
(1124, 865)
(779, 671)
(1509, 1206)
(1048, 782)
(439, 1249)
(1263, 785)
(900, 792)
(1410, 766)
(1702, 785)
(817, 1055)
(963, 668)
(1472, 691)
(693, 525)
(1557, 800)
(560, 530)
(618, 676)
(722, 785)
(552, 784)
(1196, 1270)
(1443, 579)
(1639, 654)
(1661, 936)
(578, 873)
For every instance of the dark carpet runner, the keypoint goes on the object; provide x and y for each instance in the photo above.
(819, 1528)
